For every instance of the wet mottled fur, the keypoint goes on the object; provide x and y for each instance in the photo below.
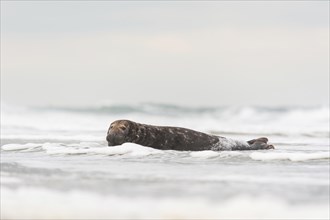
(175, 138)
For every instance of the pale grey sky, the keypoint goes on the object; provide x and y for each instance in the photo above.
(182, 52)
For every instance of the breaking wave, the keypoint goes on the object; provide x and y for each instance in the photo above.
(90, 123)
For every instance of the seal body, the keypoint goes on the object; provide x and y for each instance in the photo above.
(175, 138)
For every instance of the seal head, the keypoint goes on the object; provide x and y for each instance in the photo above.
(118, 132)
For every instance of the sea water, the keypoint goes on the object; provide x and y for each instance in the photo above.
(55, 163)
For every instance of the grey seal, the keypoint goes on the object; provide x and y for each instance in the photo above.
(176, 138)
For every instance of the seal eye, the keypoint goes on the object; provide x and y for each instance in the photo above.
(122, 128)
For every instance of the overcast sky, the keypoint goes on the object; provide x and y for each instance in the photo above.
(189, 53)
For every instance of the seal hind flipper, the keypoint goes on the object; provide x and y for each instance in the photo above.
(260, 145)
(251, 141)
(262, 139)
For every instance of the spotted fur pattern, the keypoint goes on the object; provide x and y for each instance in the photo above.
(175, 138)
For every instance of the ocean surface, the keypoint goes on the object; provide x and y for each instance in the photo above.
(55, 164)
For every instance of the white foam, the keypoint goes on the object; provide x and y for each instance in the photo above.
(91, 148)
(224, 154)
(289, 156)
(46, 204)
(55, 136)
(85, 144)
(204, 154)
(209, 154)
(133, 150)
(13, 147)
